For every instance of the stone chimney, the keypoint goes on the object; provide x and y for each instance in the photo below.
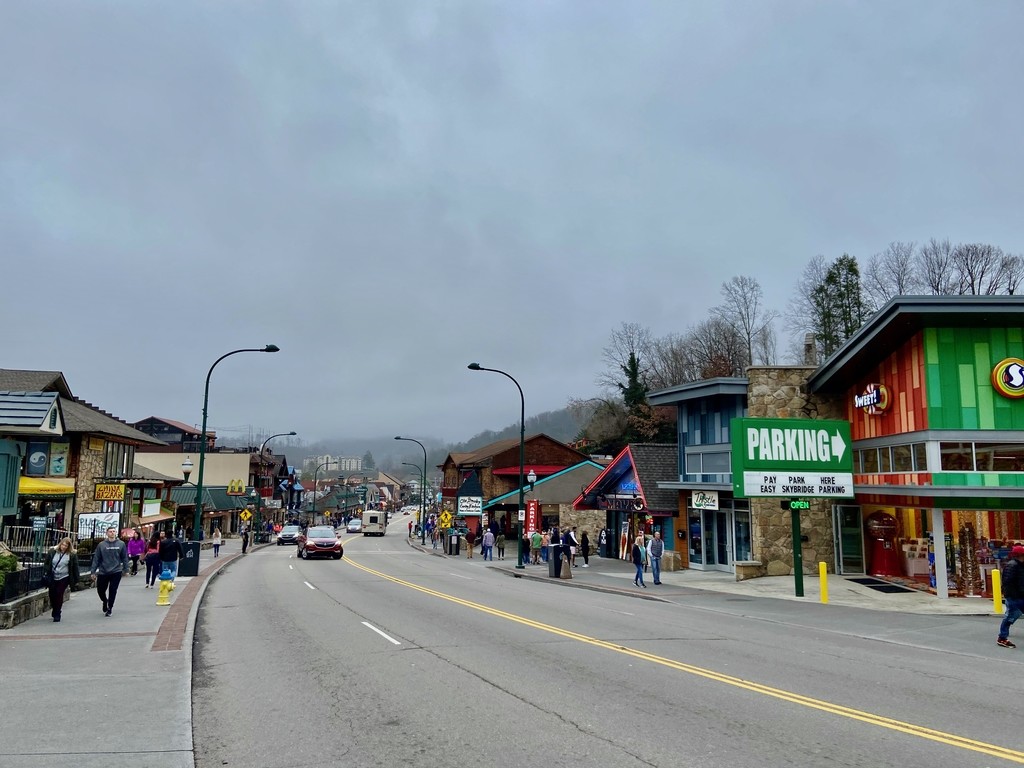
(810, 350)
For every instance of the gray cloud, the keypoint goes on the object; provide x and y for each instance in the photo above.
(389, 191)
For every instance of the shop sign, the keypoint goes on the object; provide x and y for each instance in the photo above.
(109, 492)
(59, 459)
(471, 505)
(704, 500)
(1008, 377)
(791, 457)
(236, 488)
(874, 400)
(532, 515)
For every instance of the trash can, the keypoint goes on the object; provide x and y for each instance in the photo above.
(609, 546)
(453, 544)
(189, 563)
(554, 561)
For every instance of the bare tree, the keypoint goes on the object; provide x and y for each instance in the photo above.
(893, 272)
(979, 267)
(630, 339)
(1013, 268)
(669, 362)
(935, 268)
(743, 310)
(716, 349)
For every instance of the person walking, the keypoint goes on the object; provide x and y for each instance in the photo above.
(655, 549)
(109, 564)
(488, 545)
(638, 554)
(60, 570)
(499, 542)
(1013, 594)
(585, 549)
(470, 539)
(153, 559)
(245, 539)
(170, 553)
(536, 541)
(574, 544)
(217, 542)
(545, 546)
(136, 549)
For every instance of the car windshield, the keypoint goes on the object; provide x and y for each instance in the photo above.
(320, 533)
(355, 523)
(290, 529)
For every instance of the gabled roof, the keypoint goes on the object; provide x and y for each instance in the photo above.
(83, 417)
(187, 429)
(651, 463)
(483, 454)
(900, 319)
(35, 381)
(560, 488)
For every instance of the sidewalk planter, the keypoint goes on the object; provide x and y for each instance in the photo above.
(749, 569)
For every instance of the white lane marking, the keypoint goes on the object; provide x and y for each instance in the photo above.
(386, 637)
(624, 613)
(460, 576)
(309, 585)
(291, 567)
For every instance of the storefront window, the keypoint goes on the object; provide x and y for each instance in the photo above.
(869, 460)
(884, 460)
(902, 459)
(742, 535)
(956, 457)
(992, 457)
(694, 535)
(920, 458)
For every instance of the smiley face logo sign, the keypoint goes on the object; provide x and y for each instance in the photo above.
(1008, 377)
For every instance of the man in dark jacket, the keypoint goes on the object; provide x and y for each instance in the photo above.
(109, 563)
(170, 553)
(1013, 594)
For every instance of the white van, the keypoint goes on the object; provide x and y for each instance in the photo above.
(375, 522)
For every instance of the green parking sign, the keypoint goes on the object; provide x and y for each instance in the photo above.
(791, 457)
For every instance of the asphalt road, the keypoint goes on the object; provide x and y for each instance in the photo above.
(397, 657)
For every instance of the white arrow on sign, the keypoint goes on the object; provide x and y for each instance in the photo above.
(838, 445)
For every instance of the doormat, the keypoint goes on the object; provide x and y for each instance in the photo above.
(880, 586)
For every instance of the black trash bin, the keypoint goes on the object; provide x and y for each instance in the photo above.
(453, 544)
(189, 563)
(554, 561)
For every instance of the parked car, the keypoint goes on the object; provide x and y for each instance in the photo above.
(288, 535)
(319, 541)
(355, 525)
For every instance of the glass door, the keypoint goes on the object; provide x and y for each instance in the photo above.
(849, 537)
(717, 543)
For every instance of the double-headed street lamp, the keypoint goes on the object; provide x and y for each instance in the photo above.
(522, 454)
(197, 523)
(423, 499)
(312, 505)
(259, 477)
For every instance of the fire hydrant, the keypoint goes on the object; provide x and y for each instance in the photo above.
(166, 587)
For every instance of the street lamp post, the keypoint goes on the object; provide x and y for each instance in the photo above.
(259, 479)
(423, 483)
(522, 454)
(312, 504)
(197, 523)
(423, 505)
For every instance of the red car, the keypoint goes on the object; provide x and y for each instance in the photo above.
(319, 541)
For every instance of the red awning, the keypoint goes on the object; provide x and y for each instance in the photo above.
(542, 470)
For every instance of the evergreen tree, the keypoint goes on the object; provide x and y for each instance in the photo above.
(368, 461)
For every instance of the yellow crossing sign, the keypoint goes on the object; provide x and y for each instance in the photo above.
(446, 519)
(246, 515)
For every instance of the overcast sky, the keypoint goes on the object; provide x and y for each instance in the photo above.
(391, 190)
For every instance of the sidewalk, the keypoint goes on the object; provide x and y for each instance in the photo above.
(613, 575)
(90, 688)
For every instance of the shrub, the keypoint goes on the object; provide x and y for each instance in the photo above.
(8, 563)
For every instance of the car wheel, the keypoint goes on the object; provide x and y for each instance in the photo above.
(336, 555)
(280, 543)
(303, 555)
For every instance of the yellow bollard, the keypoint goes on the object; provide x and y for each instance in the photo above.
(823, 578)
(997, 591)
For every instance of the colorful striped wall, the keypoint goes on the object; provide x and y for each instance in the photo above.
(958, 372)
(903, 374)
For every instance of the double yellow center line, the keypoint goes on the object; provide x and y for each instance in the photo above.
(950, 739)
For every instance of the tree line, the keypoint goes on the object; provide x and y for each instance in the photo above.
(834, 300)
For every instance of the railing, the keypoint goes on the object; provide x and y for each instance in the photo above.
(23, 540)
(18, 583)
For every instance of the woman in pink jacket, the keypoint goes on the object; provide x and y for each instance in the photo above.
(136, 549)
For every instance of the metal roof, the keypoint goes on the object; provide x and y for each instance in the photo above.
(901, 318)
(25, 410)
(698, 390)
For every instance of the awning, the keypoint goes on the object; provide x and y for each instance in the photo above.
(34, 486)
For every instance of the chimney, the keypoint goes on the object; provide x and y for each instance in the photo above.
(810, 350)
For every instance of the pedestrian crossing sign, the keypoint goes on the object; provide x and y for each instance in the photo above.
(246, 515)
